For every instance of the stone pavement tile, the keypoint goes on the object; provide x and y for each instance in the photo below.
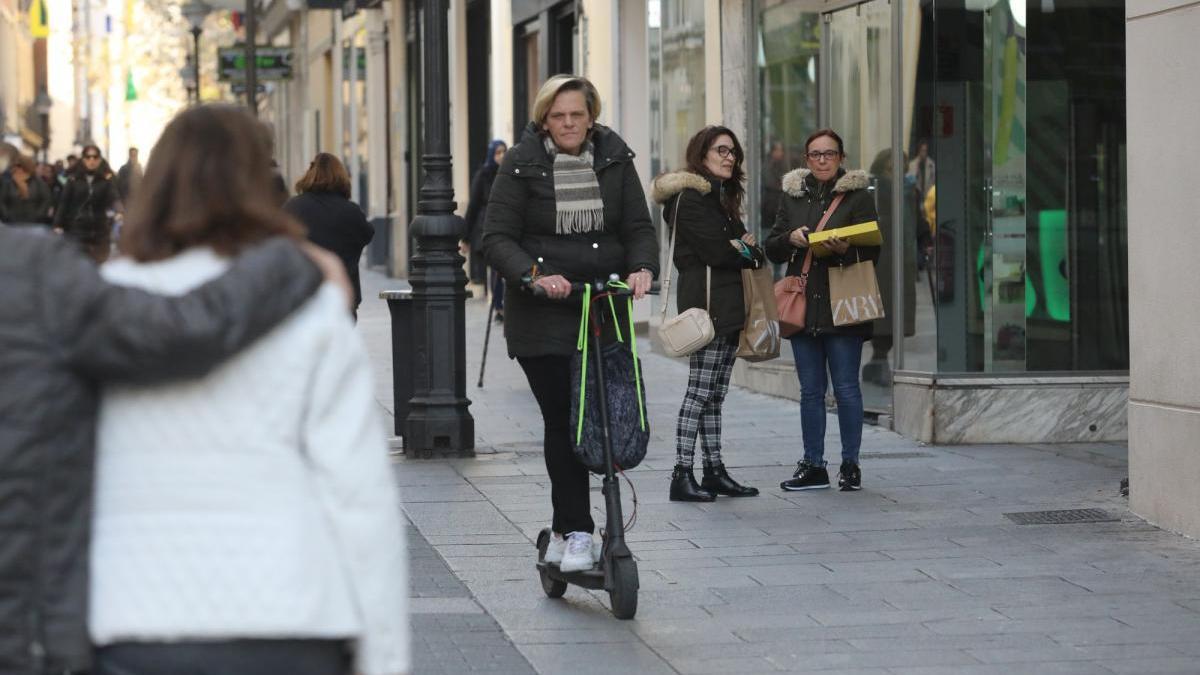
(932, 618)
(1130, 604)
(789, 657)
(573, 636)
(695, 666)
(771, 633)
(595, 659)
(1181, 665)
(1054, 668)
(993, 623)
(929, 640)
(675, 634)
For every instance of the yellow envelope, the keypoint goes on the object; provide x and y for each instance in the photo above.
(862, 234)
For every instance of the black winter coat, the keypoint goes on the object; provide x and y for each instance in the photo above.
(703, 239)
(481, 189)
(66, 329)
(33, 209)
(520, 231)
(335, 224)
(83, 210)
(804, 204)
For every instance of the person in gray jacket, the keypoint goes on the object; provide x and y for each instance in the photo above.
(62, 331)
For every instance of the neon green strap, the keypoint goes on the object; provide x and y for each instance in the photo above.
(582, 345)
(637, 369)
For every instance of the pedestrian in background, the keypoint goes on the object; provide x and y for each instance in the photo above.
(822, 350)
(49, 177)
(247, 520)
(481, 189)
(322, 204)
(24, 198)
(82, 214)
(129, 176)
(66, 330)
(567, 206)
(712, 247)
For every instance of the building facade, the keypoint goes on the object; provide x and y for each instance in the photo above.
(1164, 135)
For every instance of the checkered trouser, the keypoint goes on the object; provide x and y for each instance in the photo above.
(708, 382)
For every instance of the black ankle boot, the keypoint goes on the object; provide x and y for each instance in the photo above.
(684, 487)
(717, 480)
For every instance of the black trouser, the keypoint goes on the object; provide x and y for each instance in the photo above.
(226, 657)
(550, 379)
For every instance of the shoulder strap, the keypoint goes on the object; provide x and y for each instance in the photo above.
(666, 288)
(808, 256)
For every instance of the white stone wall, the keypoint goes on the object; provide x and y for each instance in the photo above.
(1164, 359)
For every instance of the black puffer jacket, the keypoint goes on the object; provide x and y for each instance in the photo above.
(704, 240)
(17, 210)
(83, 211)
(804, 204)
(520, 231)
(65, 329)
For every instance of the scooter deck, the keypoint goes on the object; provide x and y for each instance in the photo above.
(593, 578)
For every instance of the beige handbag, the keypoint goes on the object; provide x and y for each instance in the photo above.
(691, 330)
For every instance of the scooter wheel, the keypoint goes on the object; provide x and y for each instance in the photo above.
(624, 595)
(552, 587)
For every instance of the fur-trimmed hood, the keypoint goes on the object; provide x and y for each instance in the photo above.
(794, 184)
(670, 184)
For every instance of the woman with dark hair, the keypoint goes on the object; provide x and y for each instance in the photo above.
(567, 206)
(334, 222)
(481, 188)
(248, 519)
(83, 209)
(24, 197)
(712, 247)
(822, 350)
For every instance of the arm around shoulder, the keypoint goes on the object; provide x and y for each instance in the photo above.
(112, 332)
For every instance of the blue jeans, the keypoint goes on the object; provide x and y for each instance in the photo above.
(842, 354)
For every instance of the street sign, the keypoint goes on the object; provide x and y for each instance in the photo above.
(274, 63)
(239, 88)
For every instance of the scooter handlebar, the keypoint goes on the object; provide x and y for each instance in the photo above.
(579, 287)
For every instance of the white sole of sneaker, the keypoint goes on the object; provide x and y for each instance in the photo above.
(806, 487)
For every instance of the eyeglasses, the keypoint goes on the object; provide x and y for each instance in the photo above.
(91, 156)
(816, 155)
(725, 151)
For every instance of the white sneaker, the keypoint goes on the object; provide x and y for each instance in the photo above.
(556, 548)
(578, 556)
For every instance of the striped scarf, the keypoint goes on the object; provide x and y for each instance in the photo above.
(577, 203)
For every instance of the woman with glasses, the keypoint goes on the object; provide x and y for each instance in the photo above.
(82, 214)
(712, 247)
(822, 347)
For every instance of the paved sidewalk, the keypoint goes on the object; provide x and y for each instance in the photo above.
(921, 573)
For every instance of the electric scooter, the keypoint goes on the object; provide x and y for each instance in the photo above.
(617, 570)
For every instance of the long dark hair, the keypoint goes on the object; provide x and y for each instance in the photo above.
(192, 195)
(733, 192)
(103, 170)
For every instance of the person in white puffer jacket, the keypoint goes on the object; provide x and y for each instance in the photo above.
(247, 521)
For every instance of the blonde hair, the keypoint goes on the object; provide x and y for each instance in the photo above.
(557, 85)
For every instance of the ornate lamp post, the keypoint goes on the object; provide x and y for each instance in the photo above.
(438, 420)
(195, 11)
(42, 105)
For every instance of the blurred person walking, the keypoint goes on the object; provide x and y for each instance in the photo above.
(711, 250)
(66, 330)
(248, 520)
(82, 214)
(823, 351)
(24, 198)
(322, 204)
(567, 207)
(129, 176)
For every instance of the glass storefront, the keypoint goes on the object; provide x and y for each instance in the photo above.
(1011, 225)
(676, 43)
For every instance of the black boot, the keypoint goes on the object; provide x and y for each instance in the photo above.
(717, 480)
(684, 487)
